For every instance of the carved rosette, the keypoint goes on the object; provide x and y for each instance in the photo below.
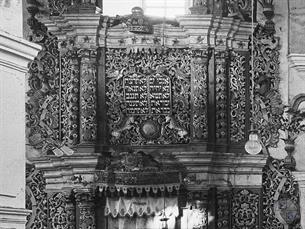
(237, 97)
(268, 104)
(245, 209)
(88, 85)
(223, 209)
(221, 58)
(85, 203)
(200, 94)
(70, 81)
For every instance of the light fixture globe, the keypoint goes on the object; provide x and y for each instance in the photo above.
(253, 145)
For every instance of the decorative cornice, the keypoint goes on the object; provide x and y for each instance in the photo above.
(297, 61)
(207, 169)
(13, 215)
(60, 172)
(195, 31)
(17, 50)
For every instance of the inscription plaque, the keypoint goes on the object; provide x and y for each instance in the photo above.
(147, 94)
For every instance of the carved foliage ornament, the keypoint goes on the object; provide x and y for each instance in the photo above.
(42, 106)
(52, 105)
(245, 209)
(36, 200)
(88, 95)
(61, 215)
(70, 84)
(55, 211)
(268, 106)
(223, 209)
(85, 203)
(124, 128)
(200, 94)
(279, 185)
(221, 95)
(237, 97)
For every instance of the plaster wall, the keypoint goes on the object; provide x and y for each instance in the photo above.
(15, 53)
(119, 7)
(12, 138)
(11, 17)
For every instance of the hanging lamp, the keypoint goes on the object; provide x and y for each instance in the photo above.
(163, 219)
(253, 145)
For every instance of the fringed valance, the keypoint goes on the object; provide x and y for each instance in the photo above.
(136, 173)
(139, 206)
(139, 189)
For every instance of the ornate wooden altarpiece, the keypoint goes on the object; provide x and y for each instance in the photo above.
(105, 88)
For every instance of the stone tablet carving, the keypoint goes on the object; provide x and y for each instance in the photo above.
(145, 95)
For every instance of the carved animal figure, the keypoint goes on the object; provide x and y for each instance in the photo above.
(172, 124)
(125, 125)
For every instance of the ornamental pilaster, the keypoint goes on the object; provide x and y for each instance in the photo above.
(199, 71)
(88, 101)
(221, 96)
(85, 208)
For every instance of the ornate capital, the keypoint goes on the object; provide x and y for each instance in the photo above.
(85, 201)
(83, 196)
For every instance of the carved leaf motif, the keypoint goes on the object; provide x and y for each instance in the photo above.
(268, 106)
(245, 208)
(221, 97)
(238, 97)
(70, 97)
(200, 93)
(274, 173)
(36, 200)
(42, 106)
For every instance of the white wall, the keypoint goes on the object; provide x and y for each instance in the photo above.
(119, 7)
(11, 17)
(15, 53)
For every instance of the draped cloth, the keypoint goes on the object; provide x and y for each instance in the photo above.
(141, 213)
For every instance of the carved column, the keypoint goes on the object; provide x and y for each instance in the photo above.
(61, 211)
(199, 95)
(70, 81)
(221, 96)
(300, 177)
(71, 212)
(88, 85)
(85, 208)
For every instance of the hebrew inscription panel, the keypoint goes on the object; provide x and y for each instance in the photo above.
(145, 95)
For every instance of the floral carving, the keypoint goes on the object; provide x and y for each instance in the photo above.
(70, 84)
(42, 106)
(200, 94)
(88, 126)
(52, 104)
(245, 209)
(268, 106)
(85, 203)
(61, 213)
(237, 97)
(221, 97)
(278, 183)
(169, 128)
(36, 200)
(223, 209)
(240, 9)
